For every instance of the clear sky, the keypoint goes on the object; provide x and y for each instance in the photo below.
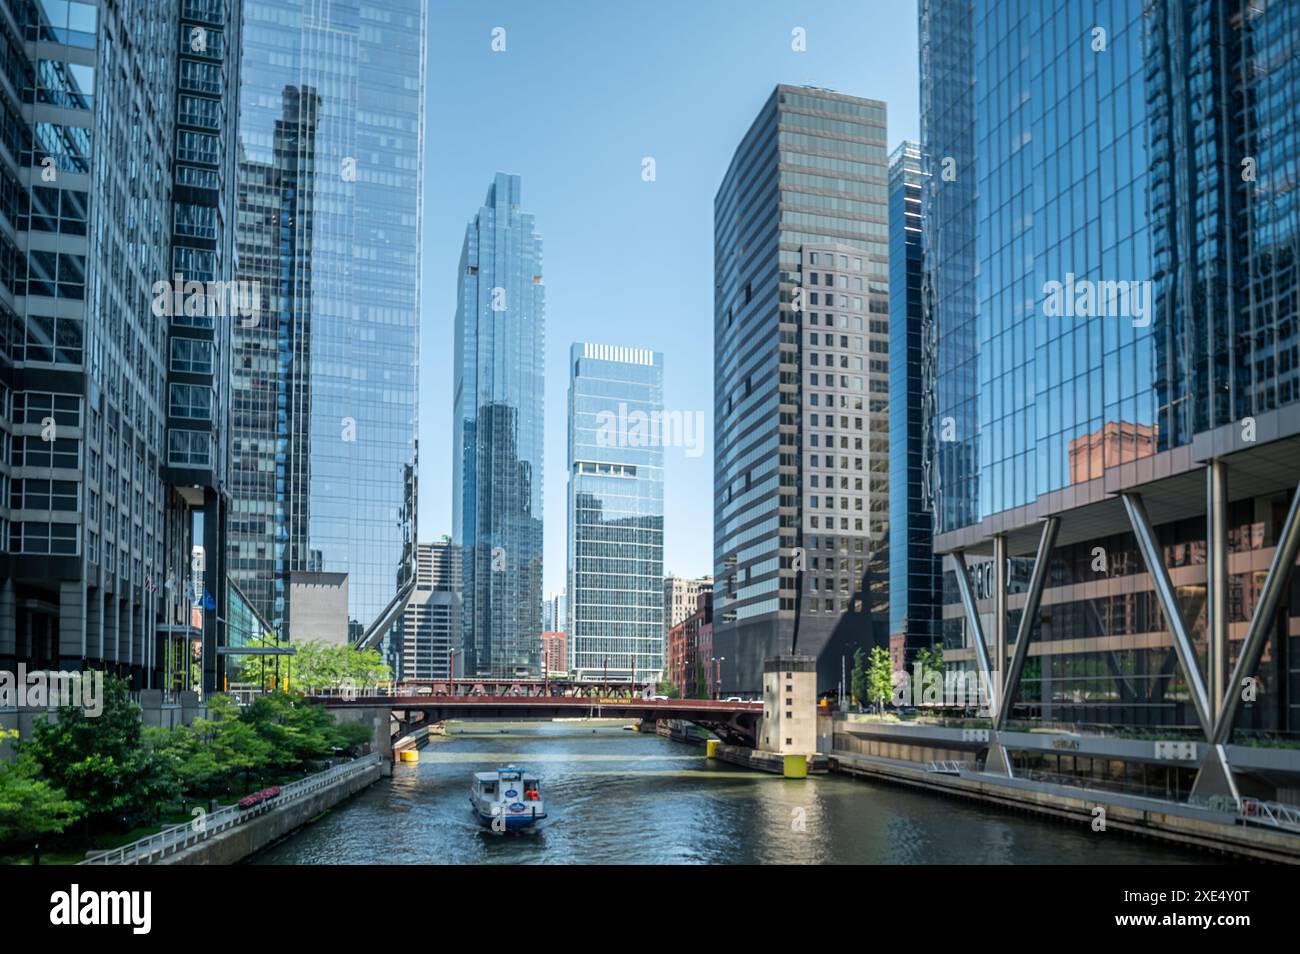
(583, 92)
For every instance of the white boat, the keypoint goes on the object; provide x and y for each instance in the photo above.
(508, 799)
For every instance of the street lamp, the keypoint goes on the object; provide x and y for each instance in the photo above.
(717, 685)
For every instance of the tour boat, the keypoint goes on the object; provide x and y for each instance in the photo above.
(508, 799)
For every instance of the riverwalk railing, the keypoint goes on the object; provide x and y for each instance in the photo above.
(171, 840)
(949, 766)
(1274, 814)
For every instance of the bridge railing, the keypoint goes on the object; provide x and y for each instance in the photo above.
(171, 840)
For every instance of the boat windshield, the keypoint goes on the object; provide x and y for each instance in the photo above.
(489, 788)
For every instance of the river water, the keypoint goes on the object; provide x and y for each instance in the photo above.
(615, 796)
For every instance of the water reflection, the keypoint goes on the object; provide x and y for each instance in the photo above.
(615, 796)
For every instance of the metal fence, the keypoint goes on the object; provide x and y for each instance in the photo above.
(1274, 814)
(171, 840)
(950, 766)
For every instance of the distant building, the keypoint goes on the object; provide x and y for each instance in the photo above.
(498, 393)
(616, 515)
(1116, 440)
(680, 597)
(915, 573)
(689, 663)
(431, 621)
(555, 657)
(554, 612)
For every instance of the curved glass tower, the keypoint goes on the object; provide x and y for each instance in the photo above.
(497, 453)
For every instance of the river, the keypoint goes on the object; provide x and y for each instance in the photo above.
(615, 796)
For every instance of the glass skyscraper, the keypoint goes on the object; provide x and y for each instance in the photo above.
(1110, 235)
(801, 390)
(323, 449)
(915, 598)
(617, 433)
(498, 397)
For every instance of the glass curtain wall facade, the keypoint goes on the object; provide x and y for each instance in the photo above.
(331, 129)
(617, 433)
(97, 513)
(1110, 236)
(915, 578)
(498, 402)
(801, 340)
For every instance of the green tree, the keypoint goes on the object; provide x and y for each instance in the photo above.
(29, 805)
(364, 667)
(350, 737)
(185, 753)
(317, 665)
(879, 677)
(859, 679)
(298, 731)
(239, 749)
(98, 762)
(667, 688)
(261, 670)
(701, 682)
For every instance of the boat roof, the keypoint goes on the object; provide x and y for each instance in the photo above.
(492, 776)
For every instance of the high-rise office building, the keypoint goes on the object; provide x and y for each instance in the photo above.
(801, 367)
(1110, 268)
(113, 356)
(431, 620)
(617, 433)
(915, 598)
(323, 449)
(498, 393)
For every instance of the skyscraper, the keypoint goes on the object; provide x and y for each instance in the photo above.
(331, 128)
(801, 386)
(498, 394)
(617, 432)
(112, 369)
(915, 598)
(1110, 266)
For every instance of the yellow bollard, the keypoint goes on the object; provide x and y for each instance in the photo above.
(711, 747)
(796, 766)
(410, 755)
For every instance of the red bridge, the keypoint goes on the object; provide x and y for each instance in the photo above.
(736, 723)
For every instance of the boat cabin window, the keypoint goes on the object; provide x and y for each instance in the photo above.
(530, 791)
(489, 788)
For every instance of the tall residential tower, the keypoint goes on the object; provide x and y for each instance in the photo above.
(498, 393)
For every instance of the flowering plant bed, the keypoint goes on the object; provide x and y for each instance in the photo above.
(248, 801)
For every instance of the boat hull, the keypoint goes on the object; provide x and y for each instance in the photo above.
(513, 821)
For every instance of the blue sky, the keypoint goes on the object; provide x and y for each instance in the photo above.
(584, 90)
